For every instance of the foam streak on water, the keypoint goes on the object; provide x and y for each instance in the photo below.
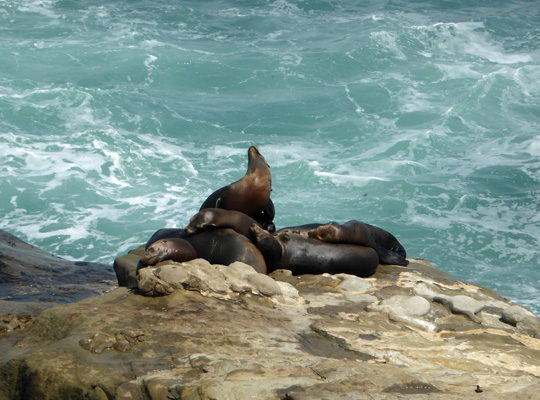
(119, 118)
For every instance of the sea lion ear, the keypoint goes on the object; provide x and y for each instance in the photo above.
(218, 202)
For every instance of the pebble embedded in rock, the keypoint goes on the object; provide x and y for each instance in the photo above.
(416, 306)
(98, 343)
(264, 284)
(462, 304)
(352, 283)
(514, 314)
(412, 306)
(236, 274)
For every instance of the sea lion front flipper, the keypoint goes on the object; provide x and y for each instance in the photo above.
(390, 257)
(219, 201)
(270, 210)
(266, 216)
(214, 200)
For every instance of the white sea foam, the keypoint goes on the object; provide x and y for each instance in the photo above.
(388, 41)
(43, 7)
(470, 38)
(357, 107)
(349, 179)
(528, 78)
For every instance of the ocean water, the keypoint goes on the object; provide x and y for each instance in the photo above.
(119, 118)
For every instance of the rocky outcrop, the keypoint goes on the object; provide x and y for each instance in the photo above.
(202, 331)
(28, 274)
(32, 280)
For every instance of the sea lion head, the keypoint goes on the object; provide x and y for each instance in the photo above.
(174, 249)
(155, 253)
(254, 155)
(203, 220)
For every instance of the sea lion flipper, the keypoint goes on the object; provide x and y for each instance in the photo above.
(266, 216)
(390, 257)
(270, 210)
(214, 200)
(219, 201)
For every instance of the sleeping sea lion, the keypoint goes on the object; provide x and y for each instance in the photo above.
(388, 248)
(250, 195)
(225, 246)
(305, 255)
(220, 246)
(215, 218)
(173, 249)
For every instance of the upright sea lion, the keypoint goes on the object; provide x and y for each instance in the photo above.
(388, 248)
(215, 218)
(304, 255)
(220, 246)
(251, 194)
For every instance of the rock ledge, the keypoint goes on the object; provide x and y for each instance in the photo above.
(202, 331)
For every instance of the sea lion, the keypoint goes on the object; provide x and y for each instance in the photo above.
(251, 194)
(225, 246)
(388, 248)
(219, 246)
(305, 255)
(173, 249)
(214, 218)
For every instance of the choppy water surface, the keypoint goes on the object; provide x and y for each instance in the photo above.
(118, 118)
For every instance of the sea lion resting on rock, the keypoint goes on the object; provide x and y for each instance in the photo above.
(174, 249)
(305, 255)
(225, 246)
(389, 250)
(250, 195)
(214, 218)
(220, 246)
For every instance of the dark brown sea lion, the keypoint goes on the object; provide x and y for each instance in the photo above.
(225, 246)
(219, 246)
(215, 218)
(173, 249)
(388, 248)
(251, 194)
(304, 255)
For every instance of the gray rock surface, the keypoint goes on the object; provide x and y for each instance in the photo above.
(353, 283)
(201, 331)
(32, 280)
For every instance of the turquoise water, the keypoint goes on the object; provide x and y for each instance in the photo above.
(119, 118)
